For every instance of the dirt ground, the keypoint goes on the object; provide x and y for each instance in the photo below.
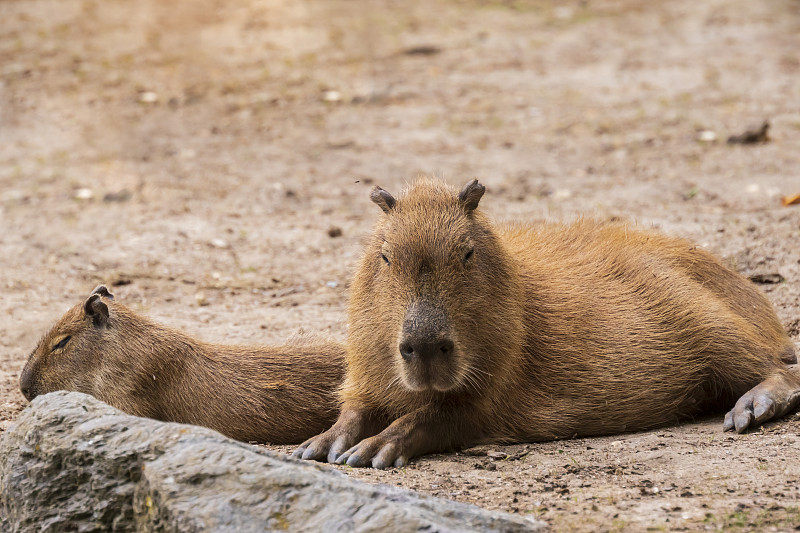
(212, 161)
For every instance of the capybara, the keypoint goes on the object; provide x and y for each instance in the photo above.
(463, 331)
(270, 394)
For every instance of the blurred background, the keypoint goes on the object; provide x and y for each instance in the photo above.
(211, 161)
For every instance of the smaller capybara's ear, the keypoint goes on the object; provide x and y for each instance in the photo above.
(96, 308)
(471, 194)
(103, 291)
(382, 197)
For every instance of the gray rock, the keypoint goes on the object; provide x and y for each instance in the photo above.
(72, 463)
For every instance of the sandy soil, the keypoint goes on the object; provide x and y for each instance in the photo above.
(199, 156)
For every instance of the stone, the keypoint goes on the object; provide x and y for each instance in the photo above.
(73, 463)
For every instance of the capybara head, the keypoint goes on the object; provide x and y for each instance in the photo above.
(431, 295)
(68, 356)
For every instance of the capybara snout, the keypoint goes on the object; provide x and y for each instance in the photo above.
(26, 385)
(426, 332)
(427, 348)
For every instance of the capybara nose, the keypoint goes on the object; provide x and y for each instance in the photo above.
(27, 393)
(26, 385)
(425, 350)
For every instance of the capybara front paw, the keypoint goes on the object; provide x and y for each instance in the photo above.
(327, 446)
(378, 452)
(771, 399)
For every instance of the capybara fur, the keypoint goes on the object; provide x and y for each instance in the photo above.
(463, 331)
(268, 394)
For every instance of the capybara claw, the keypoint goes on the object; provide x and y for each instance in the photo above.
(742, 420)
(342, 459)
(336, 450)
(772, 398)
(374, 452)
(310, 453)
(314, 449)
(727, 424)
(764, 408)
(333, 457)
(301, 450)
(380, 464)
(382, 461)
(741, 416)
(356, 461)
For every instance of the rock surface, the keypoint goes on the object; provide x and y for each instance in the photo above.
(72, 463)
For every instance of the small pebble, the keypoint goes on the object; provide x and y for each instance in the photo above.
(148, 97)
(120, 196)
(84, 194)
(562, 194)
(707, 136)
(331, 96)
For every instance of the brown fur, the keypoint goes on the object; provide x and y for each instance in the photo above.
(274, 394)
(557, 331)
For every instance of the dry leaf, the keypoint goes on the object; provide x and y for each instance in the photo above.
(753, 136)
(791, 200)
(767, 279)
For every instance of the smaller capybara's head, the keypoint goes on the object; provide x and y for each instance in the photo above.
(68, 356)
(430, 302)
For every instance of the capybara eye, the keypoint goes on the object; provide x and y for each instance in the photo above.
(385, 259)
(63, 342)
(468, 255)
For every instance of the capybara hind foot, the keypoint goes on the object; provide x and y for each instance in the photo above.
(772, 398)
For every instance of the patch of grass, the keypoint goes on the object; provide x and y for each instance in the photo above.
(755, 520)
(618, 524)
(737, 519)
(430, 120)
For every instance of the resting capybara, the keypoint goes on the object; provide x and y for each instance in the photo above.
(462, 331)
(272, 394)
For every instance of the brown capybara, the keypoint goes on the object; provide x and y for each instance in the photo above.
(462, 331)
(269, 394)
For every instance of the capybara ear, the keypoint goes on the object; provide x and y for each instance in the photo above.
(103, 291)
(471, 194)
(382, 197)
(97, 309)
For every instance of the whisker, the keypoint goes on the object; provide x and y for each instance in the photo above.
(391, 383)
(476, 369)
(475, 381)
